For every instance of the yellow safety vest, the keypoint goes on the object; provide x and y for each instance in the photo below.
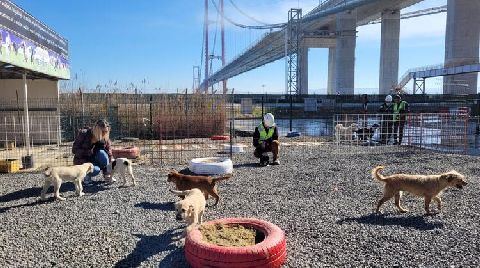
(397, 107)
(264, 135)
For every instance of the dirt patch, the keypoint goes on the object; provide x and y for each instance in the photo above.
(228, 235)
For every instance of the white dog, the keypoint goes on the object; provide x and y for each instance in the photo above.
(344, 133)
(121, 166)
(75, 174)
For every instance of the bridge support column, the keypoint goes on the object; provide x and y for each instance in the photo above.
(462, 44)
(389, 51)
(303, 70)
(331, 71)
(345, 53)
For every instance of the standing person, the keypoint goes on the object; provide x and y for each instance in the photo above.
(365, 103)
(365, 110)
(400, 110)
(93, 145)
(265, 139)
(386, 109)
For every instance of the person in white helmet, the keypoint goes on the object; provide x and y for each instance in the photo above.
(265, 139)
(386, 109)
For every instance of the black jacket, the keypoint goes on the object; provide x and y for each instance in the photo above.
(386, 108)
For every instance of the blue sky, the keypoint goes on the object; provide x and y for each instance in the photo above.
(157, 40)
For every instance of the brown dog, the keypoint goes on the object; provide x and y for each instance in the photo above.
(205, 183)
(428, 186)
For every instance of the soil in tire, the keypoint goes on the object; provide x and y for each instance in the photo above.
(228, 235)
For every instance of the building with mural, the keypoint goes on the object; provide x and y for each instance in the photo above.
(33, 59)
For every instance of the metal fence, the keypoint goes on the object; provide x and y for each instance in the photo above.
(173, 128)
(446, 132)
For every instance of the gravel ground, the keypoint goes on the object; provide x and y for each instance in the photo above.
(322, 197)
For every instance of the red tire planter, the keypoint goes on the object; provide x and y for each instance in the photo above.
(271, 252)
(220, 138)
(127, 152)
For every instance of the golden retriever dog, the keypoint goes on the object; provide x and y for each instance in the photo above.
(428, 186)
(191, 208)
(121, 166)
(205, 183)
(344, 133)
(55, 175)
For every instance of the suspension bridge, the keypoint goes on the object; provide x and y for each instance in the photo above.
(332, 25)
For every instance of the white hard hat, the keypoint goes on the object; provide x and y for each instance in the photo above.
(268, 120)
(388, 98)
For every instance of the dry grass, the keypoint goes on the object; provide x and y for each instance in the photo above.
(228, 235)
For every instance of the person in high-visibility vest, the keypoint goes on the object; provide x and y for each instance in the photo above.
(386, 119)
(265, 139)
(400, 110)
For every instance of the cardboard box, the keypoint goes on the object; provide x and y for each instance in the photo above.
(9, 165)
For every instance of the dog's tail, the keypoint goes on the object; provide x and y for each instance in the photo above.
(376, 174)
(221, 178)
(47, 172)
(186, 192)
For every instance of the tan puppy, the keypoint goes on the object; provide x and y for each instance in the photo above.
(75, 174)
(428, 186)
(191, 208)
(205, 183)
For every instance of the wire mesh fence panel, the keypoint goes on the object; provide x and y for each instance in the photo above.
(163, 127)
(45, 145)
(446, 132)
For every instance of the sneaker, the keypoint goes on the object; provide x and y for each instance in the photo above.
(109, 179)
(276, 163)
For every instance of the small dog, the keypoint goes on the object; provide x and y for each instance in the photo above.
(344, 133)
(205, 183)
(121, 166)
(191, 208)
(366, 133)
(428, 186)
(54, 175)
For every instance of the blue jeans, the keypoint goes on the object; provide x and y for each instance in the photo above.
(100, 161)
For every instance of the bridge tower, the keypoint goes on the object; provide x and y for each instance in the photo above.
(345, 52)
(462, 40)
(389, 51)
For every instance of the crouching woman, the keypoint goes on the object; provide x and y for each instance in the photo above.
(93, 145)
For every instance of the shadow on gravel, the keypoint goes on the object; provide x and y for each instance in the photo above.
(35, 191)
(20, 194)
(166, 206)
(5, 209)
(150, 245)
(247, 165)
(416, 222)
